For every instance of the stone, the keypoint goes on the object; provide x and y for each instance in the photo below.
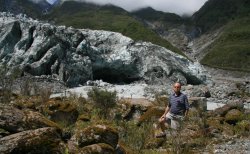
(61, 111)
(222, 111)
(94, 135)
(42, 140)
(14, 120)
(198, 103)
(233, 116)
(97, 148)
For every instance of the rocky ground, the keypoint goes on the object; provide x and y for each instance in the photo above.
(224, 87)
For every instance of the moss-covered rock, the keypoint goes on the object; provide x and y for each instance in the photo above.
(215, 122)
(84, 117)
(11, 119)
(243, 126)
(14, 120)
(233, 116)
(96, 149)
(154, 143)
(131, 109)
(153, 112)
(43, 140)
(28, 102)
(123, 149)
(61, 111)
(192, 132)
(35, 120)
(199, 103)
(228, 130)
(222, 111)
(93, 135)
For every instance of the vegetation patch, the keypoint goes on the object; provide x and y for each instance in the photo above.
(232, 49)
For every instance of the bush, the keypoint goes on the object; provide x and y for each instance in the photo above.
(135, 136)
(103, 99)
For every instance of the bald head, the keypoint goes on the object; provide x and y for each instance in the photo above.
(177, 88)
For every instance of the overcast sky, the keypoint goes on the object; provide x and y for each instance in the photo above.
(174, 6)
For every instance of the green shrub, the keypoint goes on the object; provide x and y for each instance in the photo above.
(103, 100)
(135, 136)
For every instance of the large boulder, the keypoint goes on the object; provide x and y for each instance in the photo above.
(43, 140)
(14, 120)
(61, 111)
(93, 135)
(233, 116)
(222, 111)
(199, 103)
(97, 148)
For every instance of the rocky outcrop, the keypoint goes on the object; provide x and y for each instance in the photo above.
(75, 56)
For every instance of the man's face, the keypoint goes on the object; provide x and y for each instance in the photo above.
(177, 88)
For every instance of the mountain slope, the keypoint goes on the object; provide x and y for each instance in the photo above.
(149, 14)
(108, 17)
(171, 27)
(216, 13)
(34, 10)
(232, 49)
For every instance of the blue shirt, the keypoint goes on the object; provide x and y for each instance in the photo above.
(178, 104)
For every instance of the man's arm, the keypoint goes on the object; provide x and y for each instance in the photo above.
(166, 111)
(186, 113)
(186, 106)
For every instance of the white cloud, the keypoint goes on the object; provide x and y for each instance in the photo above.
(174, 6)
(51, 1)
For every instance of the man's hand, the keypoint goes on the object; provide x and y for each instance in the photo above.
(185, 118)
(162, 118)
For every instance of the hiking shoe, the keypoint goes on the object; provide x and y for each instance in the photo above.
(160, 135)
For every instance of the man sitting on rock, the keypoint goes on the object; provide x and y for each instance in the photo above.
(175, 112)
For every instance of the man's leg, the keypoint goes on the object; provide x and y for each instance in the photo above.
(164, 124)
(176, 122)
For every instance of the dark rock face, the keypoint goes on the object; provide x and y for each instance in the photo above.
(76, 56)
